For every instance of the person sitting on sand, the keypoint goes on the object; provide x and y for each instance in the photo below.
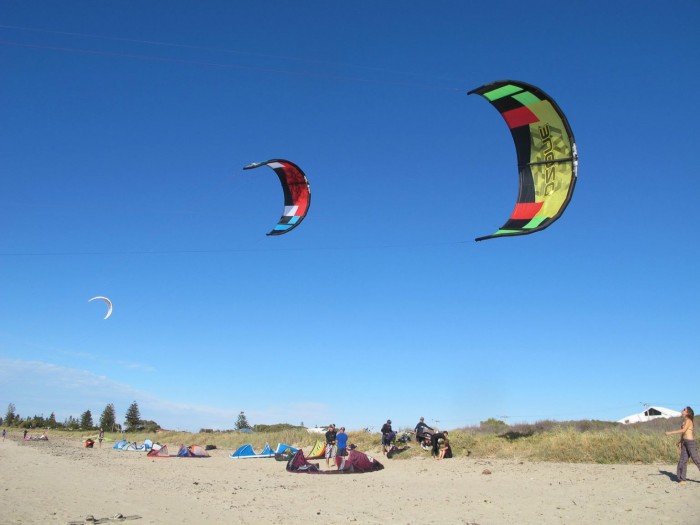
(689, 448)
(434, 443)
(445, 449)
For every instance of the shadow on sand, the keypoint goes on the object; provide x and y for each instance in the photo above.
(671, 476)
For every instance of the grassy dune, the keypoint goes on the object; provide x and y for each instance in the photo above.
(569, 445)
(569, 442)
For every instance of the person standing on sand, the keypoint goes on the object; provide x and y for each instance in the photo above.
(342, 440)
(387, 433)
(330, 444)
(4, 433)
(689, 448)
(420, 430)
(101, 436)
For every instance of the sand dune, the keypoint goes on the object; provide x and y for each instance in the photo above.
(60, 481)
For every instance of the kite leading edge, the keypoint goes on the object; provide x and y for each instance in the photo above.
(107, 302)
(297, 193)
(546, 151)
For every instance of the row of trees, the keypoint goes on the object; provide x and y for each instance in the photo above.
(107, 421)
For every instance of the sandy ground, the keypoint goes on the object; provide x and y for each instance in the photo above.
(60, 481)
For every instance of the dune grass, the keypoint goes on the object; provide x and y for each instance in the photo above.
(566, 442)
(568, 445)
(572, 442)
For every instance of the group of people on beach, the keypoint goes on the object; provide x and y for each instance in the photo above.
(89, 442)
(336, 443)
(428, 437)
(439, 442)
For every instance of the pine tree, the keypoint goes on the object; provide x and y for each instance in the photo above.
(86, 420)
(10, 416)
(241, 422)
(108, 419)
(52, 420)
(133, 417)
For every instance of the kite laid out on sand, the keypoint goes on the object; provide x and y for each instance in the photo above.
(354, 462)
(133, 446)
(193, 451)
(546, 151)
(107, 302)
(297, 193)
(247, 451)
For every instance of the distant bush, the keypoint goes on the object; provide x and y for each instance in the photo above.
(148, 425)
(278, 427)
(493, 425)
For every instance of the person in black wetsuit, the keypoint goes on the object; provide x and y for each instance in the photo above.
(331, 444)
(434, 442)
(421, 429)
(387, 436)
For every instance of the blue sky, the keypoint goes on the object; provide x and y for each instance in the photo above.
(125, 128)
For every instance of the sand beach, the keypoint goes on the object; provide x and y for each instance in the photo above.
(59, 481)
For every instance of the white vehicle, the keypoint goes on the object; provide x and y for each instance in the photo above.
(650, 414)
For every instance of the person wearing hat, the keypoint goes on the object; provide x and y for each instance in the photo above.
(387, 436)
(420, 430)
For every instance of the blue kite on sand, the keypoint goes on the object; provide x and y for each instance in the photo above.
(247, 451)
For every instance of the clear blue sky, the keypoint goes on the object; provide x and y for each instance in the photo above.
(125, 127)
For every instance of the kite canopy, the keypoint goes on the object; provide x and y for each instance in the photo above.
(107, 302)
(297, 193)
(354, 462)
(547, 158)
(247, 451)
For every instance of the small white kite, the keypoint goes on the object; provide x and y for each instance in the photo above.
(107, 302)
